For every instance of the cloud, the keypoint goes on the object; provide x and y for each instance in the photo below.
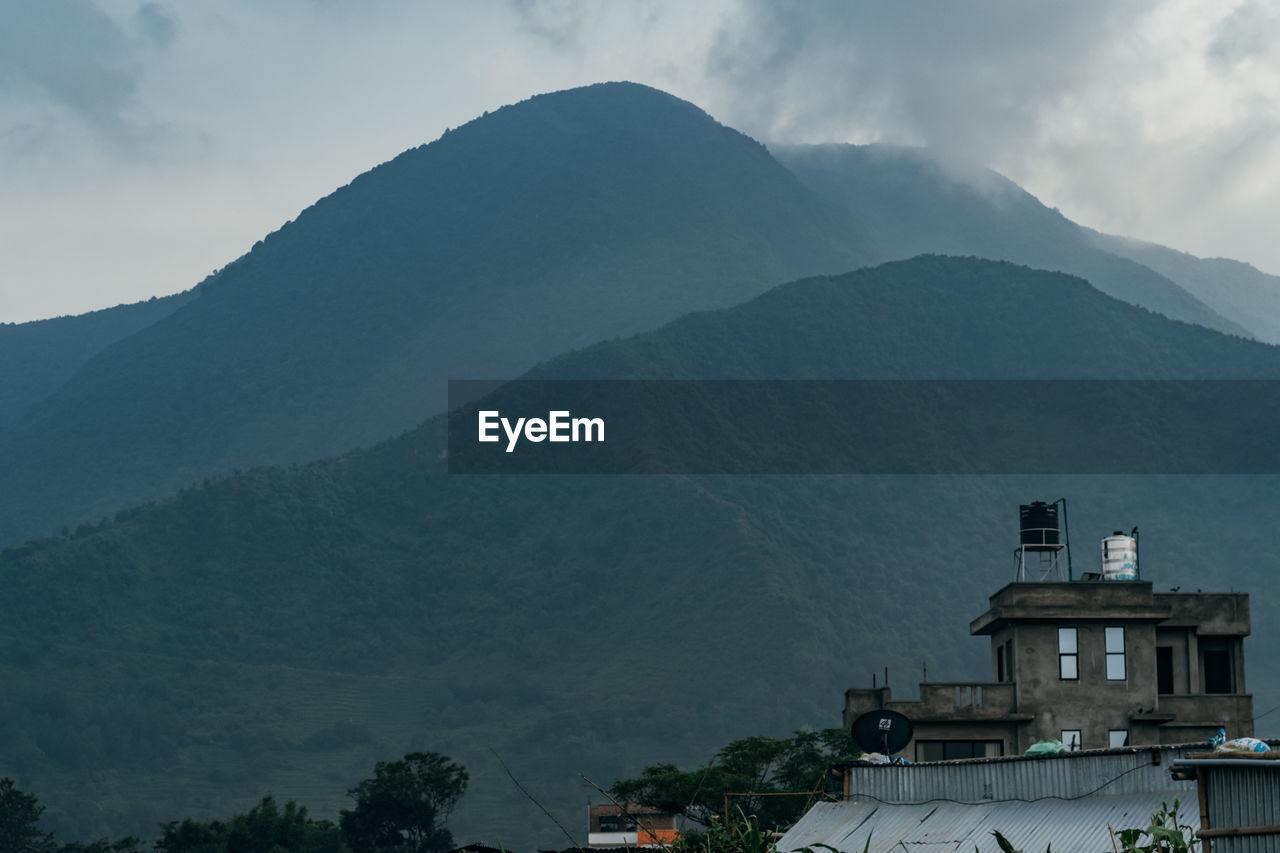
(70, 61)
(1158, 119)
(943, 74)
(156, 24)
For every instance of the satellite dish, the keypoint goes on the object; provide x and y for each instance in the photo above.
(881, 731)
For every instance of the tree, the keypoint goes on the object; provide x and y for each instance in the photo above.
(266, 828)
(123, 845)
(19, 819)
(743, 771)
(405, 806)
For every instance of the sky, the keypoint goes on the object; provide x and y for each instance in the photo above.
(144, 145)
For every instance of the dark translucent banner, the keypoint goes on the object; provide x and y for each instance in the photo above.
(864, 427)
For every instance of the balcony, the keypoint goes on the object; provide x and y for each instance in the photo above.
(943, 701)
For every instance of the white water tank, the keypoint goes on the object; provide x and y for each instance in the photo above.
(1119, 557)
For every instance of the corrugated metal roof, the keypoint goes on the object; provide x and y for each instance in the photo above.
(1066, 776)
(1066, 800)
(1068, 825)
(1244, 795)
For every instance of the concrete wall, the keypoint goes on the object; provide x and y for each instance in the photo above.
(1038, 704)
(1092, 703)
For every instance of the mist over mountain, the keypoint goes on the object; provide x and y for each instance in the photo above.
(281, 629)
(549, 224)
(914, 203)
(1240, 292)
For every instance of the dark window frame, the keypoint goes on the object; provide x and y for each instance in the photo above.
(952, 750)
(1073, 656)
(1112, 656)
(1164, 670)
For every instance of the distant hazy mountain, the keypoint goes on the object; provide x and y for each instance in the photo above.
(546, 225)
(38, 357)
(280, 630)
(913, 203)
(1238, 291)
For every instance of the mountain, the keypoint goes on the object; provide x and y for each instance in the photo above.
(914, 203)
(281, 629)
(1240, 292)
(41, 355)
(549, 224)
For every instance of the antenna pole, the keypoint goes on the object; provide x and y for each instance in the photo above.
(1066, 535)
(1137, 552)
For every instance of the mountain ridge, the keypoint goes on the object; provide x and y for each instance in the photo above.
(421, 610)
(551, 223)
(915, 202)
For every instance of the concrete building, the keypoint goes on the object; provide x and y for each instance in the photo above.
(610, 826)
(1095, 663)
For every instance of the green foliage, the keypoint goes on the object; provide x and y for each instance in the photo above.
(1164, 835)
(1005, 844)
(405, 806)
(744, 773)
(743, 834)
(19, 821)
(123, 845)
(266, 828)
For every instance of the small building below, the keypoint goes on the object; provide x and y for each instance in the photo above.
(634, 825)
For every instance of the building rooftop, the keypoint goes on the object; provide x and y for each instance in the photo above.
(1066, 800)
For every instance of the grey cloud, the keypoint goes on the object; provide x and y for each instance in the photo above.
(1247, 32)
(73, 55)
(559, 22)
(943, 74)
(156, 24)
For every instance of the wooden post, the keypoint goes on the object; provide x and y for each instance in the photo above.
(1202, 793)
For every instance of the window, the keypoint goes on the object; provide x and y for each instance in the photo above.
(1071, 739)
(1068, 656)
(1118, 737)
(949, 750)
(1000, 663)
(1115, 654)
(1164, 669)
(1216, 666)
(1008, 660)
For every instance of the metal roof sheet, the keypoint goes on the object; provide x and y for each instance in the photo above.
(1066, 776)
(1067, 801)
(1067, 825)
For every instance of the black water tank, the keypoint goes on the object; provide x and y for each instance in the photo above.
(1038, 525)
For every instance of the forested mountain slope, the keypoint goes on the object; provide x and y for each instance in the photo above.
(36, 358)
(913, 203)
(281, 629)
(552, 223)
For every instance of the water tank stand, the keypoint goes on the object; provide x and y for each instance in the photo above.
(1040, 564)
(1044, 545)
